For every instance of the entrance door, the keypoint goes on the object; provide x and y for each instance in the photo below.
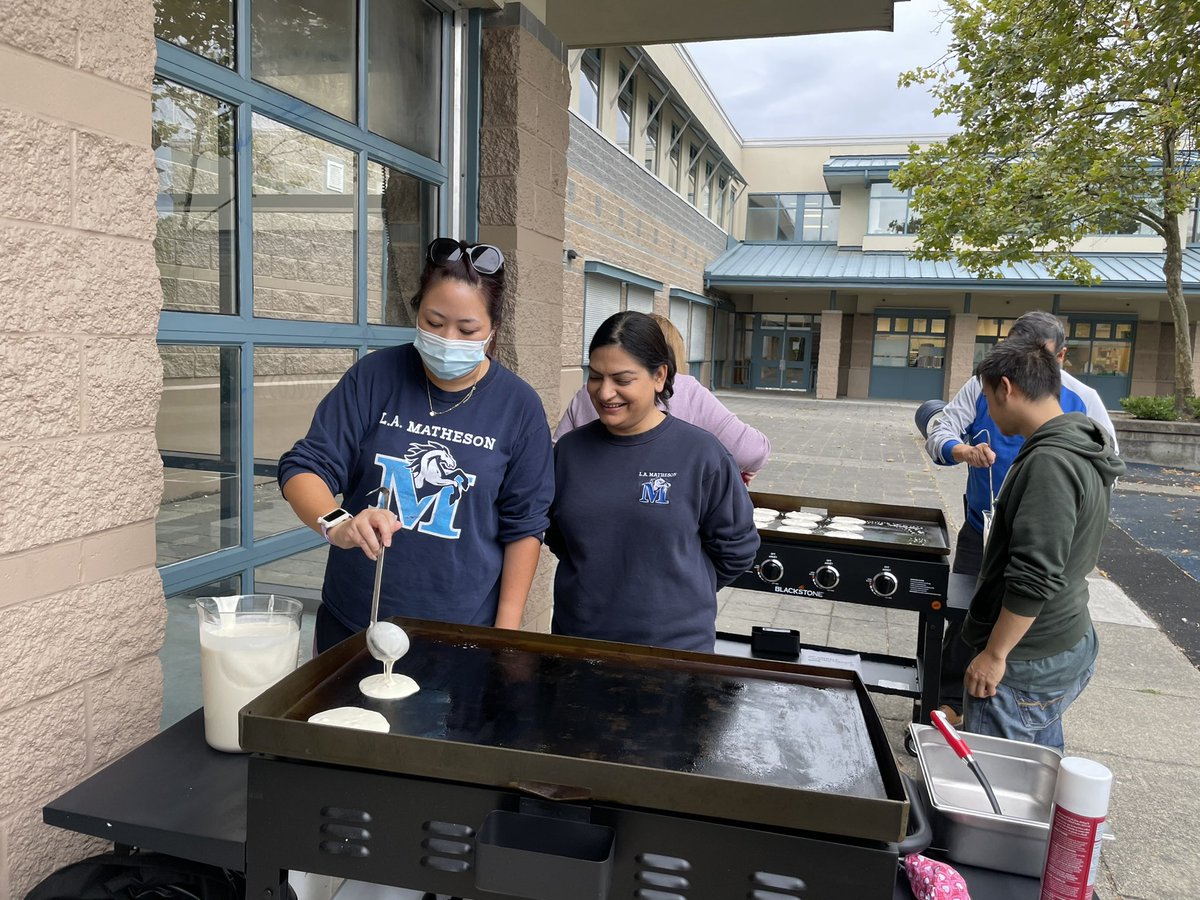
(783, 355)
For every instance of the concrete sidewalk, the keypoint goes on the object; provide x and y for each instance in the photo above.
(1140, 716)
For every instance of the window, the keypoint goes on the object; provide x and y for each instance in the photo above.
(705, 205)
(1121, 224)
(917, 341)
(625, 112)
(588, 86)
(719, 216)
(988, 333)
(1192, 234)
(1099, 347)
(601, 299)
(693, 152)
(673, 159)
(791, 217)
(889, 211)
(652, 136)
(272, 291)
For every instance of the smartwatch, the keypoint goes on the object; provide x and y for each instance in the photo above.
(332, 520)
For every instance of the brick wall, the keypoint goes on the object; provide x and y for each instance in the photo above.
(81, 606)
(620, 214)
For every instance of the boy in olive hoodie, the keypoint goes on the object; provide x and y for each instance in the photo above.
(1028, 622)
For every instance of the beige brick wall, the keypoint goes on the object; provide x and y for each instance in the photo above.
(81, 606)
(523, 183)
(960, 353)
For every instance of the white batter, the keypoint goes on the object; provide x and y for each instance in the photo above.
(351, 717)
(239, 659)
(387, 686)
(847, 520)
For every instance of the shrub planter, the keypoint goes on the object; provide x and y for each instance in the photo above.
(1159, 443)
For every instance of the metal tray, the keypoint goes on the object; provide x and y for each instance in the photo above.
(753, 741)
(1023, 777)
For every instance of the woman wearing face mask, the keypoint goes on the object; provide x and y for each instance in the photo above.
(462, 444)
(650, 517)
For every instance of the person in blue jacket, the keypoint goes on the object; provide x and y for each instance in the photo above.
(462, 444)
(650, 515)
(966, 433)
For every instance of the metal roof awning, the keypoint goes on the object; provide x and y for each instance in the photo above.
(775, 265)
(843, 171)
(612, 23)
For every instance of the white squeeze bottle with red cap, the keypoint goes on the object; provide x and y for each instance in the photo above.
(1073, 851)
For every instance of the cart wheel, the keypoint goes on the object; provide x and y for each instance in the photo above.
(909, 747)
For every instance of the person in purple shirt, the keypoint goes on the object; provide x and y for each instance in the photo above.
(693, 403)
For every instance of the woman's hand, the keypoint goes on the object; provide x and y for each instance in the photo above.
(370, 529)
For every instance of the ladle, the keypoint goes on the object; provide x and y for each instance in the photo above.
(385, 641)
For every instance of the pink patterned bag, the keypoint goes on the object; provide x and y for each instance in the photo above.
(933, 880)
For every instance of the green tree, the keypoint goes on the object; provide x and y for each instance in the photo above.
(1073, 116)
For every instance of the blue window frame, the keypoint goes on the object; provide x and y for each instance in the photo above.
(289, 240)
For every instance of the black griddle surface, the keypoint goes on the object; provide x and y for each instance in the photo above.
(667, 729)
(758, 729)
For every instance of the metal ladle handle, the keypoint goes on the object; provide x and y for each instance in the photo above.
(386, 493)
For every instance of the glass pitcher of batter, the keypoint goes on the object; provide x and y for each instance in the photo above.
(247, 643)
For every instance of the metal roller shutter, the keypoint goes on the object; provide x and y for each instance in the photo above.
(601, 299)
(639, 299)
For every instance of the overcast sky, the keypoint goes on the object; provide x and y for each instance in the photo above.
(830, 85)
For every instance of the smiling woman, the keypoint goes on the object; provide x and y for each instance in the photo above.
(650, 516)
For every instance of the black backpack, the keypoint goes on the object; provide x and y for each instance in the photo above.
(139, 876)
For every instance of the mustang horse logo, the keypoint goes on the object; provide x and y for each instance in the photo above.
(428, 485)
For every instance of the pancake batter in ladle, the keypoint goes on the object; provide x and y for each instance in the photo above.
(386, 641)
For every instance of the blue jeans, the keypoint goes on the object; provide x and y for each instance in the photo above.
(1019, 715)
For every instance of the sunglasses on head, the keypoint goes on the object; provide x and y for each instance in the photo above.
(484, 258)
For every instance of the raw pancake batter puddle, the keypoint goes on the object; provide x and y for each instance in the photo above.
(351, 717)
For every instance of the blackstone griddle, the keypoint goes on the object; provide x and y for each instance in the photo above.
(537, 766)
(898, 558)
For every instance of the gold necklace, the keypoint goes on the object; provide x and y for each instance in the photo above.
(429, 397)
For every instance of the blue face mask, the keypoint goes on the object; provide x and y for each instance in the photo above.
(447, 359)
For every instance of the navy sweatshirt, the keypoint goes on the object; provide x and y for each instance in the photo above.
(464, 484)
(646, 529)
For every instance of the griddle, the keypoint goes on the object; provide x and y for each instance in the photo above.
(919, 531)
(757, 742)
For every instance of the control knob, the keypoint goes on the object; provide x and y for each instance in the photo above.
(827, 577)
(770, 570)
(884, 584)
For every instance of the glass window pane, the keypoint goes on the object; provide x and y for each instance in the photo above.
(926, 352)
(1004, 326)
(298, 576)
(1110, 358)
(303, 225)
(985, 327)
(900, 323)
(773, 320)
(401, 210)
(886, 216)
(829, 226)
(812, 224)
(588, 86)
(307, 50)
(404, 74)
(891, 350)
(199, 439)
(760, 224)
(1081, 329)
(289, 382)
(920, 326)
(796, 344)
(1103, 330)
(625, 117)
(938, 326)
(787, 225)
(883, 323)
(772, 347)
(762, 201)
(1076, 360)
(193, 139)
(204, 27)
(698, 333)
(1124, 331)
(769, 376)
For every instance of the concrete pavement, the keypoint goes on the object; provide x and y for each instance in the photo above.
(1140, 716)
